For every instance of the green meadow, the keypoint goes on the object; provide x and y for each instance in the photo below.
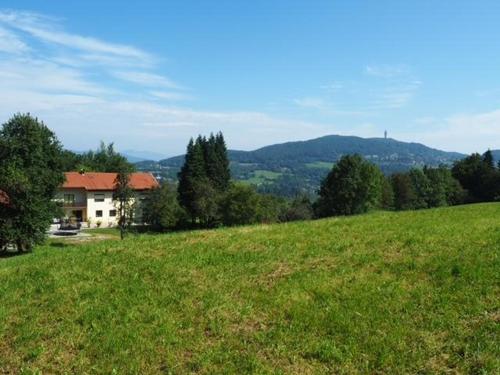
(262, 176)
(408, 292)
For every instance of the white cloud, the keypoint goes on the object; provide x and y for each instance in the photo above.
(45, 29)
(70, 81)
(472, 132)
(45, 76)
(10, 43)
(170, 95)
(146, 79)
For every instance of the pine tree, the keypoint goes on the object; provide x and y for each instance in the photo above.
(211, 160)
(488, 160)
(203, 178)
(191, 177)
(222, 177)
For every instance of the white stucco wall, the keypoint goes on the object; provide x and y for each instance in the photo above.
(86, 201)
(105, 207)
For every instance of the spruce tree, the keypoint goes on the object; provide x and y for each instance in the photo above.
(192, 177)
(211, 161)
(203, 178)
(488, 160)
(223, 174)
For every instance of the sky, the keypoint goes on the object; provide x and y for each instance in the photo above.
(148, 75)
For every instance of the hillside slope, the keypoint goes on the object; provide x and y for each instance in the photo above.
(380, 293)
(303, 164)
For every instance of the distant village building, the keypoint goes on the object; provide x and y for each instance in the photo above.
(89, 196)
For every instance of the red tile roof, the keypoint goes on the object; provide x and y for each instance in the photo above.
(106, 181)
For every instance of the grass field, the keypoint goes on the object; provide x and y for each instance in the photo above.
(320, 165)
(262, 176)
(411, 292)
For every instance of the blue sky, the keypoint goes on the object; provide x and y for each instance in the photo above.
(148, 75)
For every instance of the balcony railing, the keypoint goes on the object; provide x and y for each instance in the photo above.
(73, 204)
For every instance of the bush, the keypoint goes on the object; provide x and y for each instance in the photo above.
(300, 208)
(161, 208)
(240, 205)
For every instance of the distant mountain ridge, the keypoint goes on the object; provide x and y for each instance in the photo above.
(305, 163)
(135, 156)
(330, 148)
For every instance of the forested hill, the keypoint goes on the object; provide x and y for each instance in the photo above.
(301, 165)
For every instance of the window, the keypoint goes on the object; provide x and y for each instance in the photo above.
(98, 213)
(99, 197)
(112, 213)
(69, 198)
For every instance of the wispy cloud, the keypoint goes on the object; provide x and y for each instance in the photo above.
(386, 71)
(146, 79)
(170, 95)
(48, 30)
(76, 83)
(10, 43)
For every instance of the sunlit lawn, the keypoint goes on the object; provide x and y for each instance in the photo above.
(380, 293)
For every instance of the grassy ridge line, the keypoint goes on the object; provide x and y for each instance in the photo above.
(384, 292)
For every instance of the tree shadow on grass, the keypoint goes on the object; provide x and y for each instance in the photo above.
(12, 253)
(59, 245)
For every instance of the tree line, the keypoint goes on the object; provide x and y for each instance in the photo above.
(353, 186)
(33, 162)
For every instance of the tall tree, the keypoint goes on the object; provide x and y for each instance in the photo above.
(488, 159)
(203, 178)
(222, 175)
(353, 186)
(404, 193)
(192, 177)
(104, 159)
(421, 187)
(124, 199)
(479, 177)
(30, 173)
(387, 196)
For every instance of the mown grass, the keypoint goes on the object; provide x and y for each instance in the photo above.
(113, 232)
(411, 292)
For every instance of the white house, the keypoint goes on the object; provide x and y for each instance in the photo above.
(89, 196)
